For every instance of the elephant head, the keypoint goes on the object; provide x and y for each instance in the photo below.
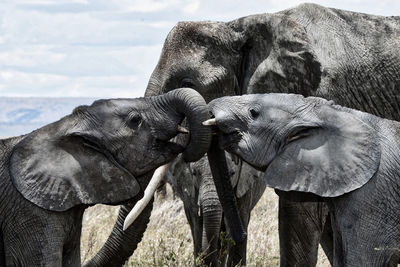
(99, 152)
(302, 144)
(260, 53)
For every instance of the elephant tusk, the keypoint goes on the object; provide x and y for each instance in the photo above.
(182, 129)
(210, 122)
(148, 194)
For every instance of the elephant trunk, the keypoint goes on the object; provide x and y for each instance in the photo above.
(121, 244)
(220, 172)
(191, 105)
(212, 217)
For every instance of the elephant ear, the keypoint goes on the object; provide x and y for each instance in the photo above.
(59, 172)
(338, 157)
(277, 56)
(248, 178)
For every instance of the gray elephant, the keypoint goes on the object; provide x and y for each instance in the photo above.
(193, 183)
(351, 58)
(103, 153)
(311, 148)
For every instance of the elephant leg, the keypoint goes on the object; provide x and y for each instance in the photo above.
(196, 227)
(300, 228)
(2, 252)
(327, 239)
(71, 250)
(24, 249)
(237, 253)
(121, 244)
(212, 217)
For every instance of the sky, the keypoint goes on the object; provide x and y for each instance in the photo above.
(108, 48)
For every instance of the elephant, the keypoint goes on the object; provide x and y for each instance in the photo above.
(351, 58)
(310, 148)
(193, 184)
(103, 153)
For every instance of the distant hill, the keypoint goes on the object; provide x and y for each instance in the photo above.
(21, 115)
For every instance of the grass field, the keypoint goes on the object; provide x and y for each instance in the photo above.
(168, 242)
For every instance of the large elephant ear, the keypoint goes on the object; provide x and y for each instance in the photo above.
(337, 158)
(277, 56)
(57, 172)
(248, 178)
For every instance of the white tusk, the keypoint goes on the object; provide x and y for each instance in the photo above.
(148, 193)
(182, 129)
(210, 122)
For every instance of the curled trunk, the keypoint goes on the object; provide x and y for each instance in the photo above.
(191, 105)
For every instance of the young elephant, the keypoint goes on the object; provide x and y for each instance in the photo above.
(310, 148)
(103, 153)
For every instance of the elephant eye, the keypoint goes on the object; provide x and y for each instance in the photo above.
(134, 120)
(187, 83)
(254, 113)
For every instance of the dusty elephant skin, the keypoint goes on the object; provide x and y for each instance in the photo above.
(346, 158)
(103, 153)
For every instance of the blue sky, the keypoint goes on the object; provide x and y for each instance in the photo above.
(108, 48)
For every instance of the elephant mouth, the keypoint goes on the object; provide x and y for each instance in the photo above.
(175, 144)
(228, 138)
(171, 146)
(229, 141)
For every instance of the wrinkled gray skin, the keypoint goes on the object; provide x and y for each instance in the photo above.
(103, 153)
(193, 183)
(347, 158)
(349, 57)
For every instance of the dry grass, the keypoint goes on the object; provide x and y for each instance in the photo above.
(167, 241)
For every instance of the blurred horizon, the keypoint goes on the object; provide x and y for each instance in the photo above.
(21, 115)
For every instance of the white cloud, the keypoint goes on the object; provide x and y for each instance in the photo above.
(146, 5)
(30, 56)
(50, 2)
(108, 48)
(192, 7)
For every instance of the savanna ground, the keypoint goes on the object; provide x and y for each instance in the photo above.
(168, 242)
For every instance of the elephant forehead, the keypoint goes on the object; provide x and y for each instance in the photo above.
(191, 32)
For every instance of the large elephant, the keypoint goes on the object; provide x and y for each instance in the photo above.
(103, 153)
(311, 148)
(349, 57)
